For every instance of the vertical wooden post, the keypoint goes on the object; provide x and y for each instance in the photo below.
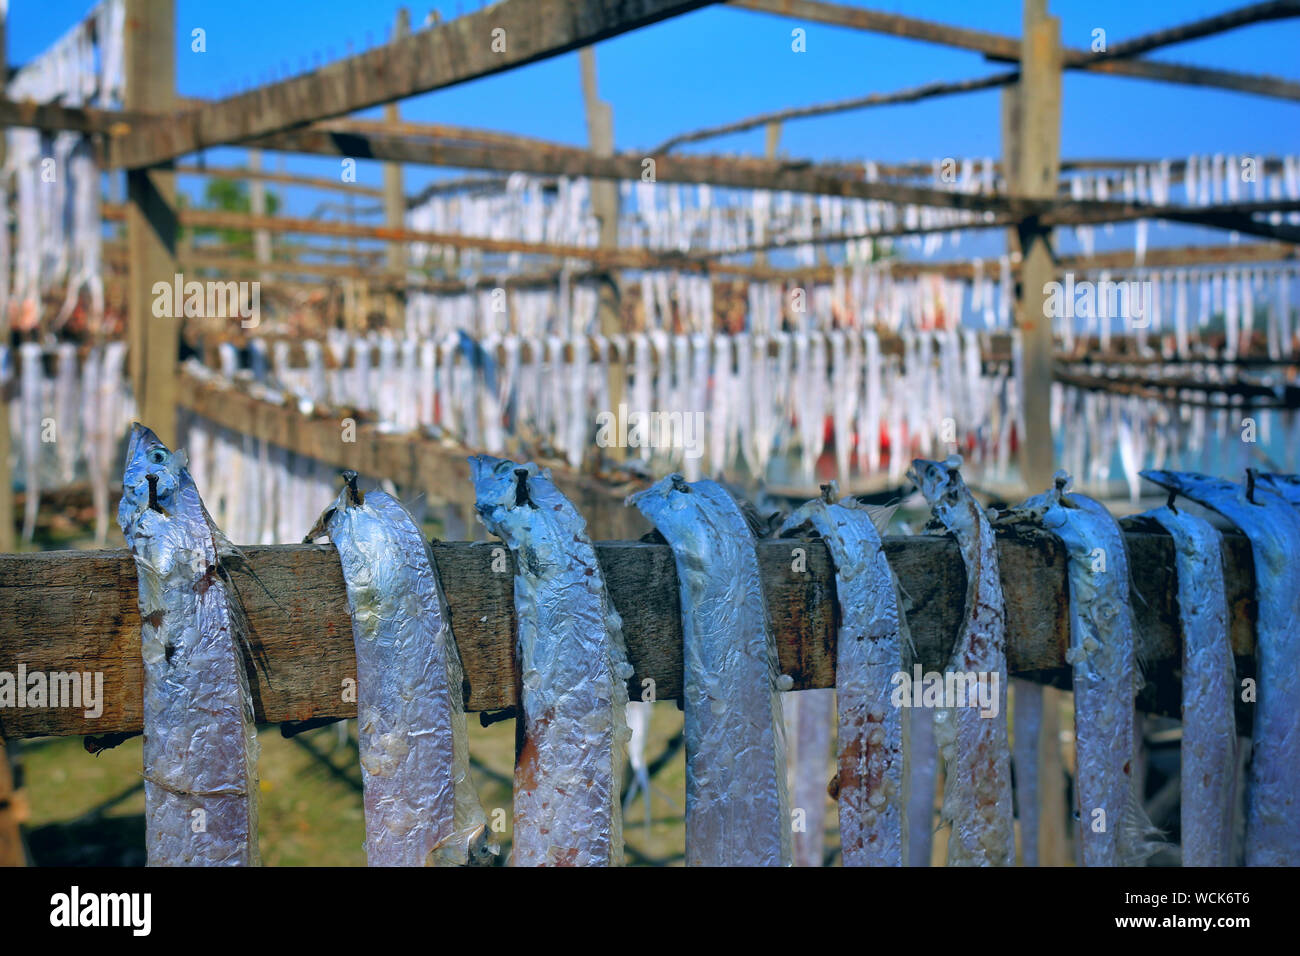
(1032, 153)
(257, 206)
(1039, 167)
(604, 202)
(395, 196)
(771, 143)
(7, 536)
(154, 341)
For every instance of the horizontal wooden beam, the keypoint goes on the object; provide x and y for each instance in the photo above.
(65, 611)
(1195, 30)
(434, 465)
(500, 37)
(1007, 48)
(270, 176)
(802, 176)
(911, 94)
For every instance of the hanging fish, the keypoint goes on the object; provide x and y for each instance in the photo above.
(870, 785)
(1272, 820)
(1209, 744)
(1285, 486)
(737, 813)
(973, 738)
(1113, 827)
(200, 742)
(574, 671)
(420, 803)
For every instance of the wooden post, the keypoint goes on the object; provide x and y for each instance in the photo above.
(1031, 123)
(257, 206)
(604, 202)
(1037, 175)
(395, 195)
(154, 341)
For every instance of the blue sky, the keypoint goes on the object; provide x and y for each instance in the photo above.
(719, 64)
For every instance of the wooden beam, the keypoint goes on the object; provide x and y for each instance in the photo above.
(500, 37)
(63, 611)
(270, 176)
(801, 176)
(436, 465)
(1006, 48)
(154, 341)
(910, 95)
(1207, 26)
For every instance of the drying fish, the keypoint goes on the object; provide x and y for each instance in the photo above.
(977, 755)
(1272, 820)
(421, 807)
(574, 671)
(737, 813)
(1113, 828)
(200, 742)
(1209, 745)
(1287, 486)
(870, 785)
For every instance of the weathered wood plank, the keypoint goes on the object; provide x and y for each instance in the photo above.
(500, 37)
(411, 461)
(63, 611)
(1007, 48)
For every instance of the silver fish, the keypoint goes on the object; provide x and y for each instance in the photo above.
(870, 785)
(1288, 486)
(1112, 827)
(200, 742)
(1209, 744)
(737, 813)
(1273, 528)
(574, 672)
(977, 755)
(420, 803)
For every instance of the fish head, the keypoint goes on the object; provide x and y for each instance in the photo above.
(349, 499)
(939, 481)
(153, 478)
(499, 483)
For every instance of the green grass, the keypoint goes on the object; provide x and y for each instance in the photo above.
(89, 810)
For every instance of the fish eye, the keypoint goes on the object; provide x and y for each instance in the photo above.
(157, 456)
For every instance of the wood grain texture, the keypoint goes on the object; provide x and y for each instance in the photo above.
(435, 58)
(63, 611)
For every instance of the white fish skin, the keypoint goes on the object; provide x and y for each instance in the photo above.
(420, 804)
(200, 742)
(1209, 744)
(1287, 486)
(977, 754)
(574, 671)
(870, 785)
(1102, 656)
(1273, 528)
(737, 812)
